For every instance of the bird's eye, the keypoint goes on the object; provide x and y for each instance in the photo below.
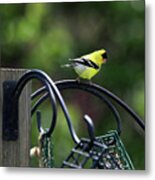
(104, 56)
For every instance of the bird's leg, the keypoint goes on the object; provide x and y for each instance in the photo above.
(78, 79)
(90, 82)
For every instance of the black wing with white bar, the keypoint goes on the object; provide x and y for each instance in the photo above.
(85, 62)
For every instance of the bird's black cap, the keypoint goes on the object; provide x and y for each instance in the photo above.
(104, 55)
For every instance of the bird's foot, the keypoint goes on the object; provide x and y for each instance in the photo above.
(90, 82)
(78, 79)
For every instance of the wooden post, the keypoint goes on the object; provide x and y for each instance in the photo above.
(16, 153)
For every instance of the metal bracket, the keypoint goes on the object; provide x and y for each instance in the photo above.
(10, 112)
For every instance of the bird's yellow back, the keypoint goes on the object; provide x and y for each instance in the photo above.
(96, 57)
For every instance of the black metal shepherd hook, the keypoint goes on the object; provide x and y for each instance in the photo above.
(51, 90)
(103, 152)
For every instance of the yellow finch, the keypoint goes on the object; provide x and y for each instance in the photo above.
(88, 65)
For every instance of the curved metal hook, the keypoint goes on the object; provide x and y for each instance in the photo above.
(90, 125)
(40, 74)
(45, 79)
(40, 129)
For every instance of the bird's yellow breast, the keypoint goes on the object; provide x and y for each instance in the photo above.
(88, 73)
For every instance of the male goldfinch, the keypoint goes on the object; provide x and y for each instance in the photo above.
(88, 65)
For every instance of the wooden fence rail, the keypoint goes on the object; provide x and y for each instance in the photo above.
(16, 153)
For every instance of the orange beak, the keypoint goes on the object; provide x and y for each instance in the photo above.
(105, 60)
(104, 56)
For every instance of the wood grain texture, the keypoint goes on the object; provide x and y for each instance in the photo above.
(16, 153)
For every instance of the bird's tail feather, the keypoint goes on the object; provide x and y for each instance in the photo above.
(66, 65)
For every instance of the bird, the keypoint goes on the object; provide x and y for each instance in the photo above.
(87, 66)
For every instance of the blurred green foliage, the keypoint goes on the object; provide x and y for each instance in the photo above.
(45, 35)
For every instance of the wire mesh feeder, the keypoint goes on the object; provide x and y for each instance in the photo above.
(46, 150)
(117, 156)
(105, 152)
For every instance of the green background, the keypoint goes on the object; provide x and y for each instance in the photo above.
(46, 35)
